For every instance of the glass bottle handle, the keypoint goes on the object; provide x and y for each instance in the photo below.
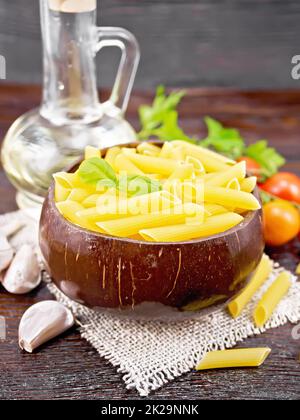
(126, 41)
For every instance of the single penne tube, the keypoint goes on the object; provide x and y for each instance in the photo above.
(185, 232)
(61, 193)
(248, 184)
(236, 358)
(197, 164)
(93, 199)
(130, 226)
(72, 180)
(166, 150)
(78, 194)
(234, 185)
(91, 152)
(111, 155)
(178, 154)
(154, 165)
(182, 172)
(148, 149)
(198, 151)
(261, 274)
(128, 150)
(124, 163)
(214, 209)
(118, 208)
(271, 298)
(230, 198)
(237, 171)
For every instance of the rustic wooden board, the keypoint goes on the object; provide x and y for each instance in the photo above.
(68, 367)
(242, 43)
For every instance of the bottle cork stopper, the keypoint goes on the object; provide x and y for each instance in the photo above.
(73, 6)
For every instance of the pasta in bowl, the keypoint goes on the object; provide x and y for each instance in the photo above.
(170, 224)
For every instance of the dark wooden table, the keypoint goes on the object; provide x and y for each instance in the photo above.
(69, 367)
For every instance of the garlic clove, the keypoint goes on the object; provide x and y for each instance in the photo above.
(6, 253)
(42, 322)
(11, 228)
(24, 274)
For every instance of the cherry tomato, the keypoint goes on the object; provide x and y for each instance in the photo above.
(281, 222)
(284, 185)
(253, 168)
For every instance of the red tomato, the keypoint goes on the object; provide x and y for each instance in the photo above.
(253, 168)
(281, 222)
(284, 185)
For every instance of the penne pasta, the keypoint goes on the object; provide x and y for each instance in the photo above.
(236, 358)
(111, 155)
(198, 151)
(132, 225)
(271, 298)
(91, 152)
(230, 198)
(69, 210)
(261, 274)
(61, 193)
(237, 171)
(214, 209)
(182, 172)
(150, 165)
(117, 208)
(148, 149)
(166, 150)
(124, 164)
(234, 185)
(78, 194)
(128, 150)
(248, 184)
(198, 166)
(185, 232)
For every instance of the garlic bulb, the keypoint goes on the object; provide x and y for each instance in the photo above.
(42, 322)
(6, 253)
(23, 275)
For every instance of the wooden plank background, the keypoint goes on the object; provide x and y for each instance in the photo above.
(241, 43)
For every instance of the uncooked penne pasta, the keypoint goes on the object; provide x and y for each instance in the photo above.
(230, 198)
(61, 193)
(142, 204)
(198, 151)
(271, 298)
(111, 155)
(198, 166)
(148, 149)
(91, 152)
(261, 274)
(78, 194)
(214, 209)
(248, 184)
(69, 210)
(237, 171)
(132, 225)
(234, 185)
(185, 232)
(182, 172)
(124, 164)
(236, 358)
(150, 165)
(166, 150)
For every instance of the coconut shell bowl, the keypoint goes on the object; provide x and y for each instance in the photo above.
(129, 276)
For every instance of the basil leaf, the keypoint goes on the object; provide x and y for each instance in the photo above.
(94, 170)
(138, 185)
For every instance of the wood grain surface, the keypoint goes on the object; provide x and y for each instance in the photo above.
(70, 368)
(242, 43)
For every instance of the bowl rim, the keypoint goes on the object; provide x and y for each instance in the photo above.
(248, 218)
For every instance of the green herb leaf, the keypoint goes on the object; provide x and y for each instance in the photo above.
(161, 119)
(138, 185)
(269, 159)
(93, 170)
(227, 141)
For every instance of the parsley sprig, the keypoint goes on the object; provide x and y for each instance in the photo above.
(161, 121)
